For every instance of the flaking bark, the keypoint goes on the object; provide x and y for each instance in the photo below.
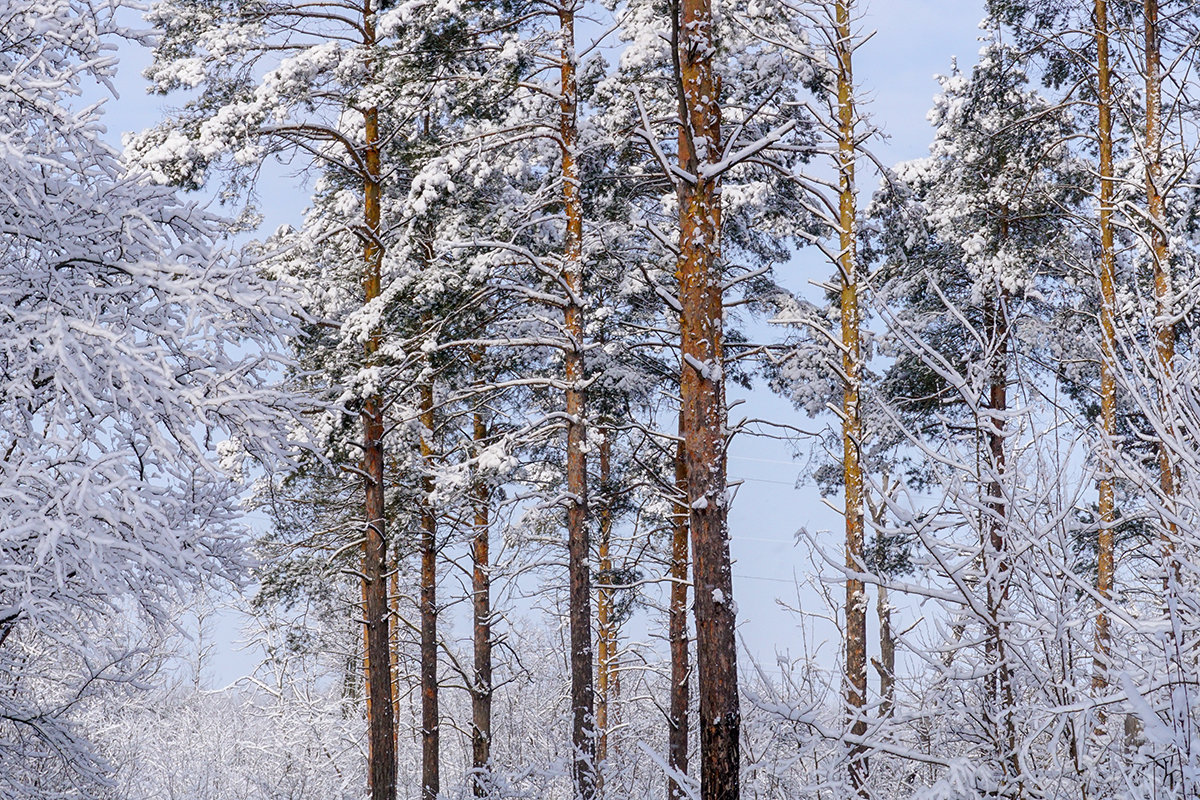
(1108, 387)
(703, 412)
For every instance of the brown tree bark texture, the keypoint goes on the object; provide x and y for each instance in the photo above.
(703, 413)
(381, 731)
(1000, 697)
(605, 627)
(578, 541)
(1164, 301)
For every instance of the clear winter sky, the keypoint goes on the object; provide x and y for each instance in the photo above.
(913, 41)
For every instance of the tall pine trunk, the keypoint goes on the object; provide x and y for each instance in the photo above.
(583, 738)
(702, 410)
(1164, 330)
(430, 773)
(852, 476)
(1108, 347)
(381, 726)
(677, 735)
(1000, 699)
(1164, 327)
(606, 635)
(481, 690)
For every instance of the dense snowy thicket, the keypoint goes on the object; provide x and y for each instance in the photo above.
(505, 327)
(134, 356)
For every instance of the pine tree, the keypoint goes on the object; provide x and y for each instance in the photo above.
(966, 295)
(852, 433)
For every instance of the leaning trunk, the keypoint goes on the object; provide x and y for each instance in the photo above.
(702, 411)
(582, 739)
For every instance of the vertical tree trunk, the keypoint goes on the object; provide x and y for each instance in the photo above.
(887, 655)
(381, 731)
(677, 737)
(703, 412)
(578, 546)
(430, 777)
(1000, 698)
(1108, 347)
(1164, 329)
(481, 691)
(614, 687)
(677, 628)
(1163, 291)
(394, 636)
(856, 598)
(605, 628)
(886, 665)
(997, 329)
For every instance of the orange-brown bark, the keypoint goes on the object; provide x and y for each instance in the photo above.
(381, 733)
(578, 545)
(702, 411)
(1163, 292)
